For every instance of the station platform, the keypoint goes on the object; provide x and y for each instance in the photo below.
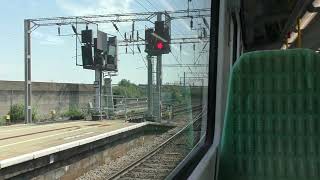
(21, 143)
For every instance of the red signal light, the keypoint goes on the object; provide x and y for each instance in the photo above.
(159, 45)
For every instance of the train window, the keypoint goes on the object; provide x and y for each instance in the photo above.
(110, 90)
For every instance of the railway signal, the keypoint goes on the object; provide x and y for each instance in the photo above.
(104, 56)
(149, 40)
(158, 39)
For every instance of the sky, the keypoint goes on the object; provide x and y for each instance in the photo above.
(53, 56)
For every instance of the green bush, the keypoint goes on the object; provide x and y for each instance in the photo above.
(16, 113)
(34, 113)
(175, 94)
(111, 114)
(74, 113)
(2, 121)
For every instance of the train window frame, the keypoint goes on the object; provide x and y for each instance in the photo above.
(235, 38)
(186, 167)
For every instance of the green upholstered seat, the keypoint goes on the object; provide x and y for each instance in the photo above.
(272, 121)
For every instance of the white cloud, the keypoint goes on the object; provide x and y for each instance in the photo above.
(177, 49)
(97, 7)
(47, 39)
(90, 7)
(167, 6)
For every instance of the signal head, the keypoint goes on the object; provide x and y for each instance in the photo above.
(160, 45)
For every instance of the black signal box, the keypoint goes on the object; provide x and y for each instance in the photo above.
(86, 36)
(87, 59)
(158, 39)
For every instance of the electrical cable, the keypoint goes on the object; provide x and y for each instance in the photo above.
(152, 5)
(142, 6)
(201, 52)
(129, 46)
(176, 31)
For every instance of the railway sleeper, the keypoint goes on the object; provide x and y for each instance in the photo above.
(144, 175)
(150, 170)
(162, 166)
(163, 159)
(130, 178)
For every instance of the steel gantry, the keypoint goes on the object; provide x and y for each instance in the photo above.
(32, 24)
(125, 17)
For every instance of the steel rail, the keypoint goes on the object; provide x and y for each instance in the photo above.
(153, 152)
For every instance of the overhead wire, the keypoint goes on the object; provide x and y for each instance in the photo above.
(180, 62)
(177, 30)
(181, 58)
(142, 5)
(129, 46)
(201, 52)
(152, 5)
(147, 11)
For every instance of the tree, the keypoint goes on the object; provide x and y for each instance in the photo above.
(127, 89)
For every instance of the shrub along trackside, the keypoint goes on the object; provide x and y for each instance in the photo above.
(2, 121)
(75, 114)
(16, 113)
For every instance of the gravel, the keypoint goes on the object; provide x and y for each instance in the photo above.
(104, 171)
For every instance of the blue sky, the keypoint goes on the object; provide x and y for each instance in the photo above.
(53, 56)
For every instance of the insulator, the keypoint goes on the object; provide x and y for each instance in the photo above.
(205, 22)
(204, 33)
(74, 29)
(132, 30)
(139, 48)
(115, 26)
(137, 35)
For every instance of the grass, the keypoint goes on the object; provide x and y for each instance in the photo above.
(75, 113)
(2, 121)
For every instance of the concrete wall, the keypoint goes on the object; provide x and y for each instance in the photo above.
(111, 153)
(46, 96)
(56, 96)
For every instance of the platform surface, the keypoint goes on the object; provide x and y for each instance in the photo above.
(18, 140)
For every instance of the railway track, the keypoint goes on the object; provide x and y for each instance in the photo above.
(159, 162)
(182, 109)
(140, 116)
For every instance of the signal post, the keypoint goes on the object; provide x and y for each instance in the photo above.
(157, 43)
